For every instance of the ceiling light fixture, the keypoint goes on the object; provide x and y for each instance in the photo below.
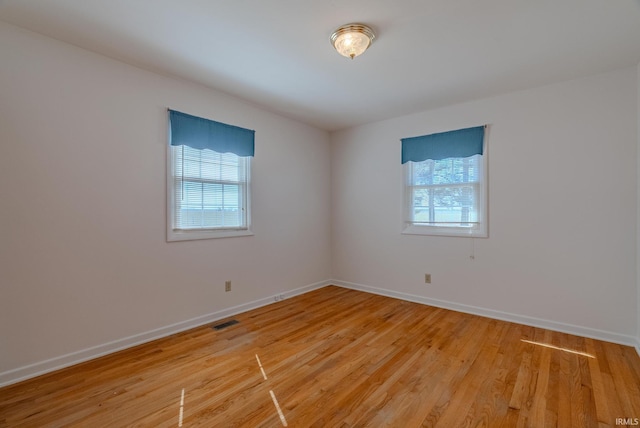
(352, 40)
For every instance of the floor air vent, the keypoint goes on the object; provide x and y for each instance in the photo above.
(224, 324)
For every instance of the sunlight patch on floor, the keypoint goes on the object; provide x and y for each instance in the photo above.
(181, 408)
(273, 395)
(547, 345)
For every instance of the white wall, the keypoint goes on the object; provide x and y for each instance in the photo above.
(562, 210)
(83, 257)
(638, 221)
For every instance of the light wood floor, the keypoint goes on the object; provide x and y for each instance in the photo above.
(341, 358)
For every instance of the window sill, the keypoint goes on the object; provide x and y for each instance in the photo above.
(413, 229)
(192, 235)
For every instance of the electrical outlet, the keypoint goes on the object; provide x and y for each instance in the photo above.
(427, 278)
(227, 286)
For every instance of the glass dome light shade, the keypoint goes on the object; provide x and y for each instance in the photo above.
(352, 40)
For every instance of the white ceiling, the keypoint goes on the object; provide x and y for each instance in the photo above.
(276, 53)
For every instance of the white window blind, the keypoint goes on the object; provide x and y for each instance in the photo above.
(444, 191)
(209, 192)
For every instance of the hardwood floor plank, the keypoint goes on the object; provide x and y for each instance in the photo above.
(601, 408)
(335, 357)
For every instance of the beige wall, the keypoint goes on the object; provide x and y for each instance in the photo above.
(85, 267)
(561, 251)
(638, 219)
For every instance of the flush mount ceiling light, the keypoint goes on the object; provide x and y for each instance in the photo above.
(352, 40)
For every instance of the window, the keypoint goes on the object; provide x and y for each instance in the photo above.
(445, 184)
(208, 181)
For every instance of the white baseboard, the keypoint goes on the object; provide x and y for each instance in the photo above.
(606, 336)
(36, 369)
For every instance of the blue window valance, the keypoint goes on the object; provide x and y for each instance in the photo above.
(461, 143)
(200, 133)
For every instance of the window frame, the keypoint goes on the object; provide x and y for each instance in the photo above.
(481, 231)
(197, 233)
